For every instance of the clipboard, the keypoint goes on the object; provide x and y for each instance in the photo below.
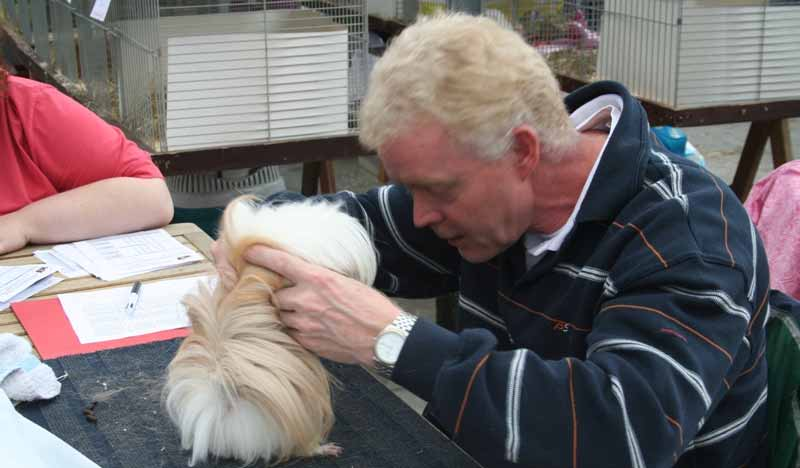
(52, 335)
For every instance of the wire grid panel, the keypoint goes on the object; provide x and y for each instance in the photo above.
(407, 10)
(694, 53)
(8, 11)
(79, 52)
(23, 15)
(640, 47)
(679, 53)
(183, 74)
(11, 13)
(256, 71)
(136, 69)
(41, 30)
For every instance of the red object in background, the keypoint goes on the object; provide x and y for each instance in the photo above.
(579, 36)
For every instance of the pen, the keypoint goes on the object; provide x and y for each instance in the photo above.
(133, 298)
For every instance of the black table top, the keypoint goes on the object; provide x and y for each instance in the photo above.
(373, 426)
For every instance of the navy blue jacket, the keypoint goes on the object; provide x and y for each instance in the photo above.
(639, 343)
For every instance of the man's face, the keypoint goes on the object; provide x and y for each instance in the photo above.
(476, 206)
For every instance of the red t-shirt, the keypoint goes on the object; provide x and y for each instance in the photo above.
(50, 144)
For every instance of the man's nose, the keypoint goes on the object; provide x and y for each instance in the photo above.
(424, 214)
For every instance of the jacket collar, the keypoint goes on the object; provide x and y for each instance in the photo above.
(621, 171)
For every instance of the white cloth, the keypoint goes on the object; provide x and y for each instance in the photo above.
(24, 444)
(22, 376)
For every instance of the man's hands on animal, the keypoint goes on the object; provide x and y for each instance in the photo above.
(333, 316)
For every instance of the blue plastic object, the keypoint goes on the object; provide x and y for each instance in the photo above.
(673, 138)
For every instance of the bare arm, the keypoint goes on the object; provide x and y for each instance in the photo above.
(105, 207)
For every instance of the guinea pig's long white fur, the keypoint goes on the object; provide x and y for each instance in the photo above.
(239, 385)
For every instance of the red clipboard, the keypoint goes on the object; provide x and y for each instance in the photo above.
(52, 335)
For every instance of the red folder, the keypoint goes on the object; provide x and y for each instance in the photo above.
(52, 334)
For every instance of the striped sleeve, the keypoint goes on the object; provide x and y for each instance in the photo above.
(656, 365)
(412, 262)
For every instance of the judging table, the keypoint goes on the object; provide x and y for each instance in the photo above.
(129, 428)
(187, 234)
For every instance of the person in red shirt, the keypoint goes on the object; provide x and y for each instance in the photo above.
(66, 174)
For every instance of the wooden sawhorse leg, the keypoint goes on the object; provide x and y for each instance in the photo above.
(777, 131)
(318, 177)
(383, 179)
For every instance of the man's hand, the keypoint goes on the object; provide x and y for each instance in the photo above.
(13, 233)
(331, 315)
(227, 275)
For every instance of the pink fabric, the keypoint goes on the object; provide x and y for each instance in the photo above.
(774, 206)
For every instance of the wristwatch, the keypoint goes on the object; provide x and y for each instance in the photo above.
(390, 341)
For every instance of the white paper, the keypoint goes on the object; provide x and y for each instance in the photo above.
(35, 288)
(69, 252)
(100, 9)
(116, 257)
(64, 265)
(16, 279)
(100, 315)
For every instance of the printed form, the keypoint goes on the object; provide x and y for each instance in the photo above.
(18, 283)
(115, 257)
(100, 315)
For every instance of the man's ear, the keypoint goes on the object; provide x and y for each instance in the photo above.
(525, 150)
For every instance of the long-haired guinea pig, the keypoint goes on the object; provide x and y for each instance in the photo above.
(240, 386)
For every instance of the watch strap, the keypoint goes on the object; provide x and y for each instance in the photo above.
(403, 322)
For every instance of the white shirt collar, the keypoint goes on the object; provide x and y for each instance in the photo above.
(601, 112)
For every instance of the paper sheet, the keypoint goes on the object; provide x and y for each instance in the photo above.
(69, 253)
(100, 316)
(35, 288)
(116, 257)
(16, 279)
(100, 9)
(64, 265)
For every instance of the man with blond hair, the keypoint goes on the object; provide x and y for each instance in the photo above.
(613, 295)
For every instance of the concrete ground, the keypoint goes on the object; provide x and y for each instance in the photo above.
(721, 146)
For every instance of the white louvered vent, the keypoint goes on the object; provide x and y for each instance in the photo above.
(236, 84)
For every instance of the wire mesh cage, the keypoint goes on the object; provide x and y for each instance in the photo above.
(566, 33)
(702, 52)
(678, 53)
(187, 74)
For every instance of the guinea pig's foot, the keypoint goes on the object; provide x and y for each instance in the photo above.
(329, 450)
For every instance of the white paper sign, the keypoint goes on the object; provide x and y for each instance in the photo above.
(100, 9)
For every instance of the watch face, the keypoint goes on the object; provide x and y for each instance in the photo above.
(388, 346)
